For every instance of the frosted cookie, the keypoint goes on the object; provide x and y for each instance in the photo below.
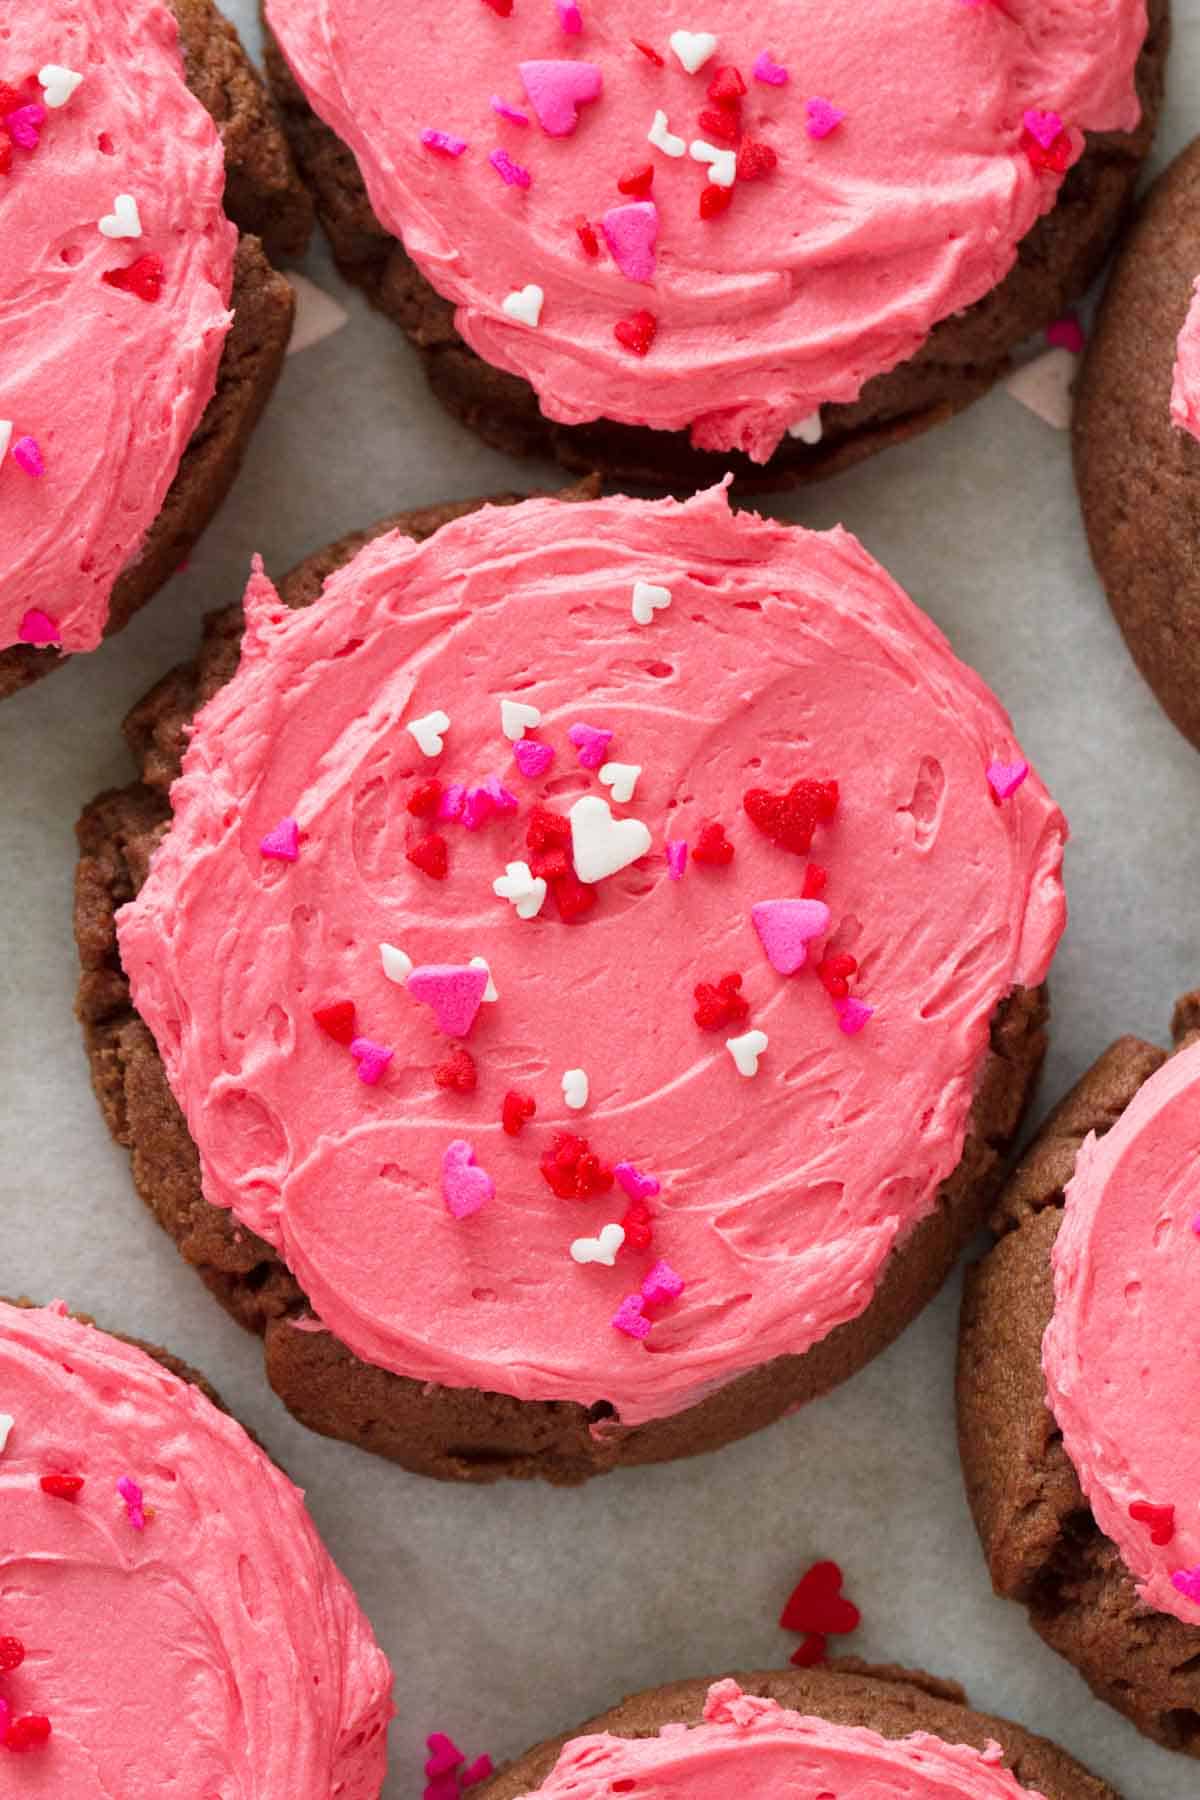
(590, 975)
(847, 1729)
(661, 246)
(1137, 458)
(140, 165)
(169, 1620)
(1076, 1398)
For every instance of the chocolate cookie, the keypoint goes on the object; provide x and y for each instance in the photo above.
(454, 1433)
(271, 209)
(892, 1701)
(958, 362)
(1039, 1534)
(1138, 474)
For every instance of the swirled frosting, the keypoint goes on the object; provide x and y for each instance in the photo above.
(754, 1745)
(1119, 1367)
(782, 654)
(1185, 391)
(829, 269)
(214, 1651)
(107, 385)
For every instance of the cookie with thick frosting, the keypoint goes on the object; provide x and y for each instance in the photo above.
(656, 245)
(759, 878)
(848, 1730)
(1136, 432)
(169, 1619)
(1076, 1404)
(142, 337)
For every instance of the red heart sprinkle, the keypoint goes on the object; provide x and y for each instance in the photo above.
(1055, 157)
(423, 801)
(458, 1072)
(586, 234)
(713, 847)
(811, 1652)
(11, 98)
(755, 160)
(337, 1021)
(516, 1111)
(143, 278)
(834, 972)
(62, 1487)
(723, 125)
(818, 1605)
(430, 856)
(637, 332)
(29, 1733)
(814, 882)
(572, 1170)
(648, 51)
(790, 819)
(637, 181)
(638, 1225)
(12, 1654)
(573, 898)
(714, 201)
(503, 8)
(720, 1005)
(1160, 1519)
(726, 84)
(546, 829)
(6, 152)
(551, 865)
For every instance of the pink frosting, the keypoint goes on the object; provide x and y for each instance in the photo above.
(1185, 391)
(216, 1650)
(1118, 1355)
(753, 1745)
(108, 385)
(829, 270)
(783, 653)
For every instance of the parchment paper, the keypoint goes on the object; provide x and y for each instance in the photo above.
(513, 1612)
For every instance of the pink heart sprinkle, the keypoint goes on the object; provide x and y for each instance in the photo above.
(661, 1285)
(465, 1186)
(1187, 1583)
(27, 455)
(630, 1319)
(443, 142)
(444, 1754)
(37, 627)
(1005, 778)
(557, 90)
(591, 741)
(450, 806)
(785, 929)
(24, 126)
(372, 1059)
(453, 990)
(1066, 334)
(636, 1185)
(823, 117)
(132, 1495)
(569, 17)
(768, 70)
(852, 1015)
(1044, 126)
(502, 799)
(512, 113)
(283, 843)
(532, 758)
(677, 855)
(478, 807)
(511, 173)
(631, 233)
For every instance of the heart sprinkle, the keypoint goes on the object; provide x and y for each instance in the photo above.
(124, 220)
(1005, 778)
(557, 90)
(1187, 1583)
(1160, 1519)
(454, 992)
(134, 1499)
(591, 744)
(516, 718)
(677, 856)
(511, 173)
(428, 731)
(746, 1050)
(722, 1004)
(601, 845)
(817, 1604)
(600, 1249)
(662, 1285)
(532, 758)
(525, 305)
(647, 600)
(768, 70)
(821, 117)
(458, 1074)
(630, 1318)
(575, 1089)
(791, 819)
(636, 333)
(786, 928)
(62, 1487)
(12, 1655)
(338, 1021)
(635, 1184)
(852, 1015)
(38, 628)
(430, 855)
(283, 843)
(516, 1112)
(57, 84)
(638, 1225)
(723, 165)
(811, 1652)
(713, 848)
(143, 278)
(570, 18)
(465, 1186)
(397, 964)
(572, 1170)
(372, 1059)
(620, 779)
(27, 1733)
(631, 233)
(526, 890)
(693, 48)
(27, 455)
(663, 138)
(809, 430)
(637, 182)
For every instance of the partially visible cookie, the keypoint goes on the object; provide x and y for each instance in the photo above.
(191, 1632)
(854, 1726)
(1025, 1478)
(136, 303)
(1138, 462)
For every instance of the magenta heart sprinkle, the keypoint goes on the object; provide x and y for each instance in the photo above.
(1187, 1583)
(630, 1318)
(444, 1754)
(372, 1059)
(1005, 778)
(465, 1186)
(24, 126)
(283, 843)
(570, 18)
(677, 855)
(852, 1015)
(454, 991)
(631, 233)
(822, 117)
(450, 806)
(38, 628)
(1044, 126)
(591, 742)
(532, 758)
(636, 1185)
(557, 90)
(27, 454)
(768, 70)
(1066, 334)
(662, 1285)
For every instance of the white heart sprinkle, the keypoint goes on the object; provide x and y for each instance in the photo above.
(602, 1249)
(7, 1421)
(746, 1050)
(396, 965)
(621, 778)
(123, 221)
(516, 719)
(722, 164)
(525, 304)
(526, 890)
(575, 1089)
(600, 844)
(1044, 386)
(808, 429)
(490, 991)
(6, 431)
(428, 732)
(664, 139)
(647, 600)
(693, 48)
(57, 83)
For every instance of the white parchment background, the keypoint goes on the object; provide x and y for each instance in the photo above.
(513, 1612)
